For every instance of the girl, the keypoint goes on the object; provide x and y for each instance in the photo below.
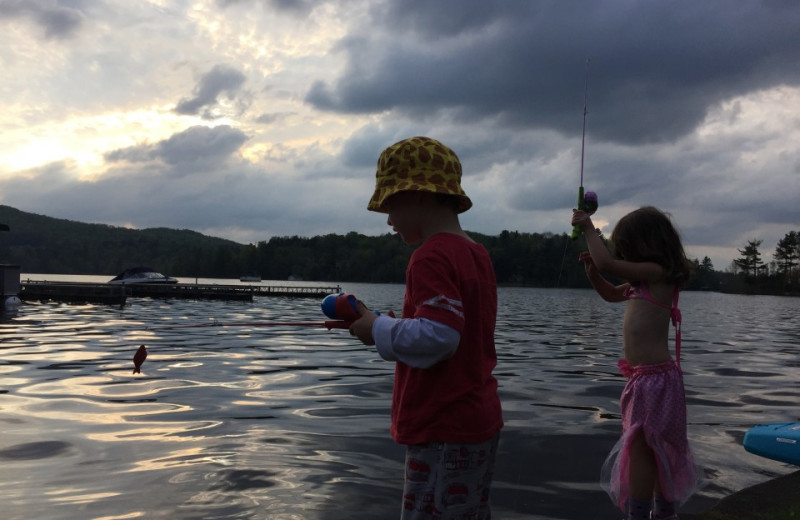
(651, 468)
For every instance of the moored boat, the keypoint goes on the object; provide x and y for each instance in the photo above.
(142, 274)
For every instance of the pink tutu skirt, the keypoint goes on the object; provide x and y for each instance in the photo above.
(653, 403)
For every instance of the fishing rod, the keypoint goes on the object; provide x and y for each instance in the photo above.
(341, 308)
(329, 324)
(586, 202)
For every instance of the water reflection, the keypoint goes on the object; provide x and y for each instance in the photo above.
(292, 422)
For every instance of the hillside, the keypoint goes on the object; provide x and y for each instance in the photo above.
(56, 246)
(43, 244)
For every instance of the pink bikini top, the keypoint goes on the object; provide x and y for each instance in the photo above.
(641, 292)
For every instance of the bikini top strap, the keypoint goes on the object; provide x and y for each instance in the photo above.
(645, 292)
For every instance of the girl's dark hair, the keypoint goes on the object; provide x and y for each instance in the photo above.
(647, 235)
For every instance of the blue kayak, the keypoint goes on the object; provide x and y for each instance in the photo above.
(780, 441)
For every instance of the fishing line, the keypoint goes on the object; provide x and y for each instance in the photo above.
(141, 353)
(563, 259)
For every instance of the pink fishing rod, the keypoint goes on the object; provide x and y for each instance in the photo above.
(586, 202)
(329, 324)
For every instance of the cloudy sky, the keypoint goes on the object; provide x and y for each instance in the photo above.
(247, 119)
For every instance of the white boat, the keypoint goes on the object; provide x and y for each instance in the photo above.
(250, 278)
(141, 274)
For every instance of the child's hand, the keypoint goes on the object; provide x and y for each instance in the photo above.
(588, 262)
(362, 327)
(582, 220)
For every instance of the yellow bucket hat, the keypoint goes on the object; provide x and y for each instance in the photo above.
(417, 164)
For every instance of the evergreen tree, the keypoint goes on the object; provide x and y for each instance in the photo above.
(704, 276)
(750, 261)
(787, 252)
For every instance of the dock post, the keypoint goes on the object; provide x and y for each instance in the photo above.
(9, 286)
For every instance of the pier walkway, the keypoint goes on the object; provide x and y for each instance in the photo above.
(77, 292)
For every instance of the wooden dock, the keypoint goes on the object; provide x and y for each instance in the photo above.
(74, 292)
(117, 294)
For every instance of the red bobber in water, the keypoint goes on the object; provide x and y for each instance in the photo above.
(138, 359)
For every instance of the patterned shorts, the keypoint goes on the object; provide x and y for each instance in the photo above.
(449, 481)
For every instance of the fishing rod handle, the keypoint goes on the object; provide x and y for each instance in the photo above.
(338, 324)
(586, 202)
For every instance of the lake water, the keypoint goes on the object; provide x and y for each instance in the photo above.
(292, 422)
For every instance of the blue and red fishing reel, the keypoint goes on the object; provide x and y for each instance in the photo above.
(344, 309)
(340, 307)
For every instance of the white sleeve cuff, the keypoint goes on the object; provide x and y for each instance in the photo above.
(417, 342)
(382, 334)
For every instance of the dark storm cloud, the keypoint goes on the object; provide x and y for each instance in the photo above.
(360, 151)
(197, 148)
(655, 67)
(201, 143)
(57, 20)
(221, 79)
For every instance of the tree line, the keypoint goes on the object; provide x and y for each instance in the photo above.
(528, 259)
(752, 274)
(46, 245)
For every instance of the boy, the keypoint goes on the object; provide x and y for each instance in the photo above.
(445, 406)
